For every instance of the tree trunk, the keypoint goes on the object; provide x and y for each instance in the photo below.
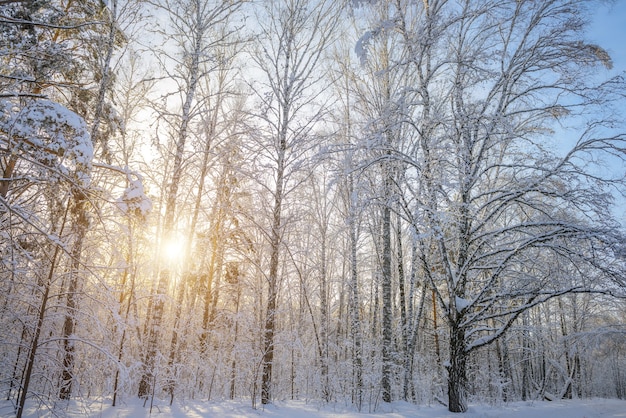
(355, 320)
(171, 368)
(504, 370)
(270, 313)
(105, 82)
(193, 74)
(37, 332)
(154, 335)
(386, 296)
(524, 361)
(326, 392)
(79, 226)
(120, 350)
(34, 344)
(409, 389)
(436, 328)
(268, 343)
(233, 369)
(457, 371)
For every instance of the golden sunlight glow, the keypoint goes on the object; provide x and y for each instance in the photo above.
(173, 249)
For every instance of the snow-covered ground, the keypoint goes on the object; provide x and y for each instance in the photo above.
(590, 408)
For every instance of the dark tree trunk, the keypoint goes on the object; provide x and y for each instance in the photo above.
(270, 315)
(171, 366)
(268, 341)
(154, 335)
(32, 352)
(387, 320)
(80, 224)
(457, 371)
(155, 321)
(233, 366)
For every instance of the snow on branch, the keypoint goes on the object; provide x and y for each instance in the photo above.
(363, 42)
(51, 133)
(134, 200)
(10, 20)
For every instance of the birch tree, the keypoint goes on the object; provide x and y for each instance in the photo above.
(295, 34)
(131, 94)
(194, 38)
(349, 194)
(381, 98)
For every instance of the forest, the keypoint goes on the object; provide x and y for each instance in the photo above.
(356, 201)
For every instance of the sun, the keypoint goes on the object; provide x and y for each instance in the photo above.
(173, 249)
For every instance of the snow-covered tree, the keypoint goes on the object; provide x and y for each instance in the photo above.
(494, 199)
(294, 35)
(199, 29)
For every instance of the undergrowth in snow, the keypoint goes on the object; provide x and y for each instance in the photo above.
(588, 408)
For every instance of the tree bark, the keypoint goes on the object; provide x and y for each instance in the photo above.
(387, 349)
(270, 312)
(355, 319)
(37, 332)
(79, 226)
(457, 371)
(193, 75)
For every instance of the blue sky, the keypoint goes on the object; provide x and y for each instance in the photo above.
(608, 29)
